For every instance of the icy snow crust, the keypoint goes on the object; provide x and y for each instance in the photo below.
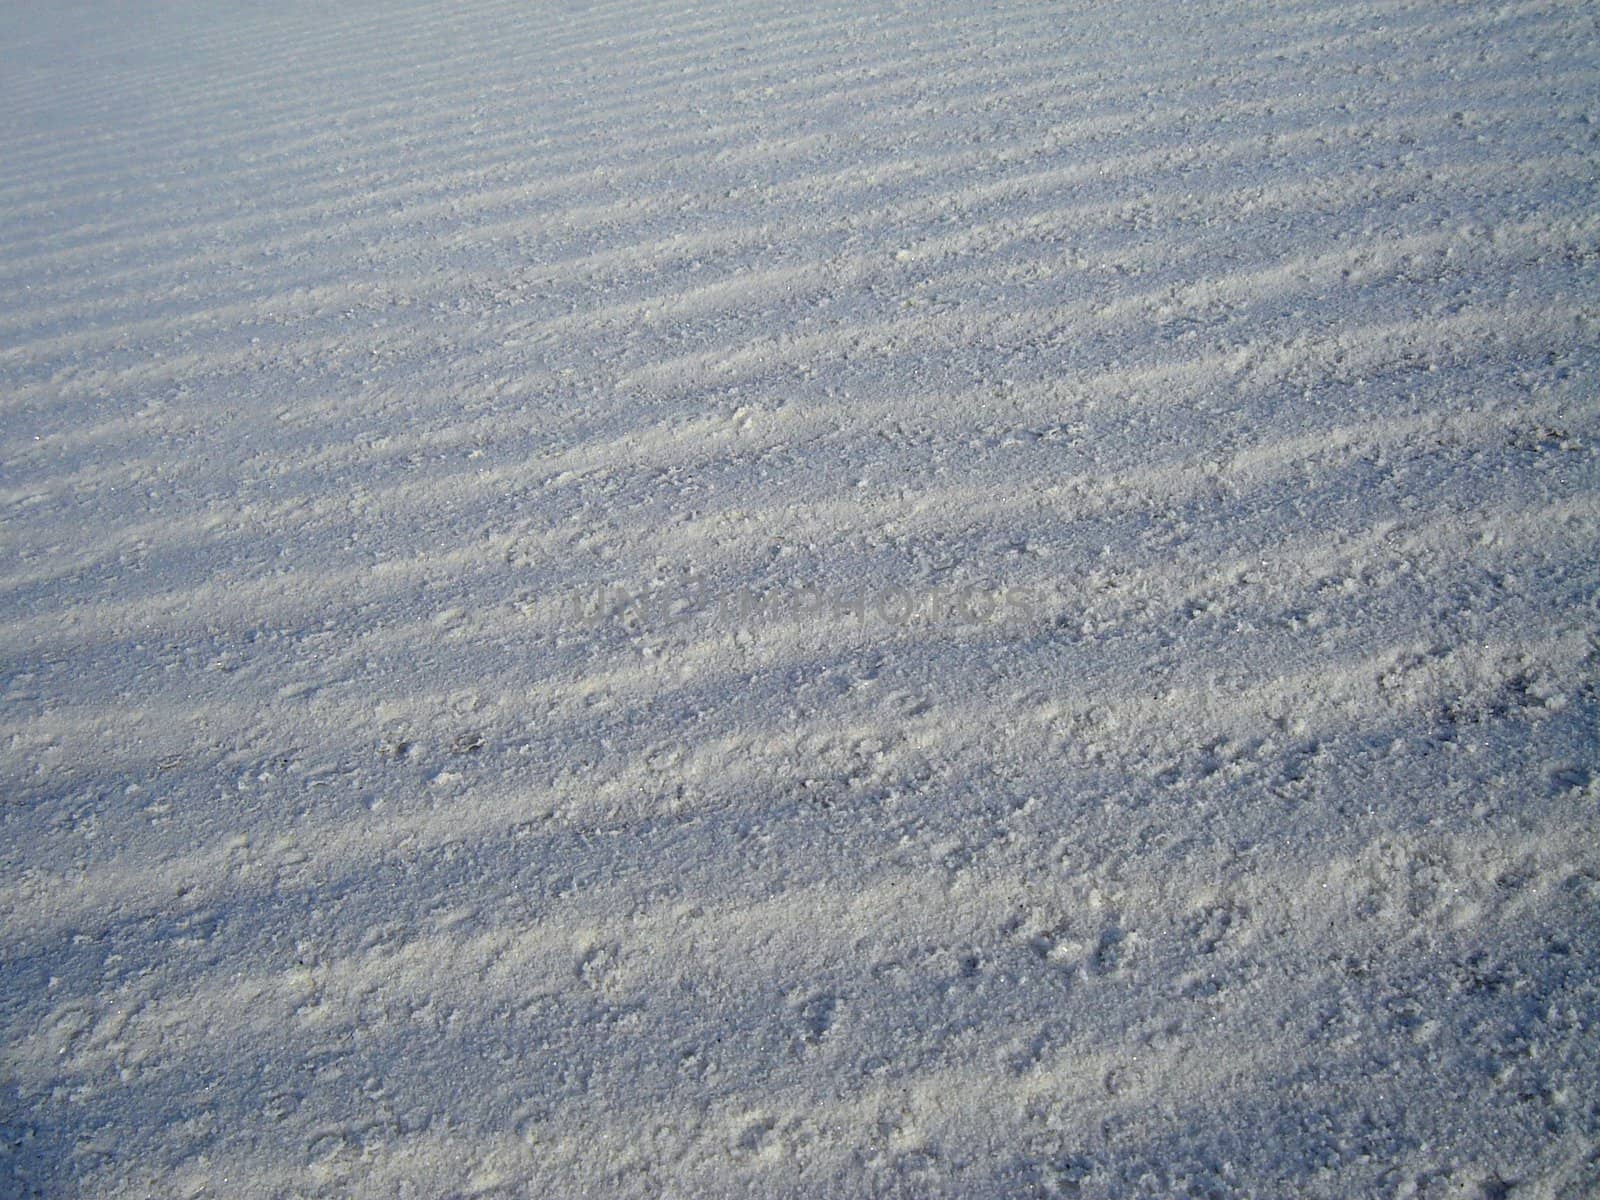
(735, 599)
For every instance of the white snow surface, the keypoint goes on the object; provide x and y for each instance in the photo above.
(465, 468)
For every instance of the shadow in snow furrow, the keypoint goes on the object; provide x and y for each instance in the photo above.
(706, 539)
(479, 148)
(586, 120)
(997, 1074)
(1472, 676)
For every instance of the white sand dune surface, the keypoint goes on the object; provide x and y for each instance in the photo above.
(751, 599)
